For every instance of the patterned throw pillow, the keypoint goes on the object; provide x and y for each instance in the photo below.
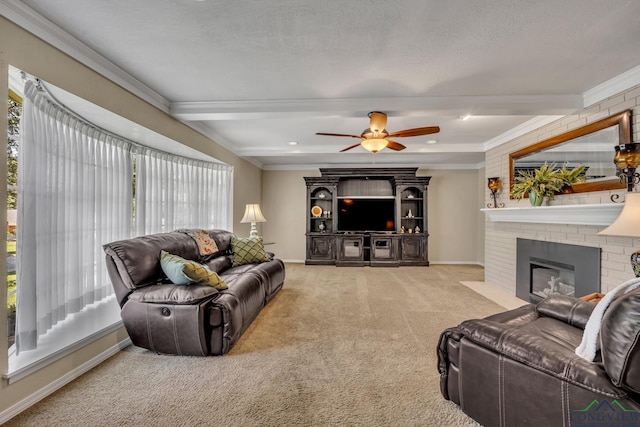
(206, 245)
(184, 272)
(202, 275)
(247, 250)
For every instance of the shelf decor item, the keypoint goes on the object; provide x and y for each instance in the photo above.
(537, 184)
(627, 160)
(316, 211)
(570, 176)
(494, 185)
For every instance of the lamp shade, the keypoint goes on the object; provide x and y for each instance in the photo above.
(628, 222)
(252, 213)
(374, 145)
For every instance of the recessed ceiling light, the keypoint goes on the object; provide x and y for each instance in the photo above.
(432, 141)
(466, 117)
(293, 143)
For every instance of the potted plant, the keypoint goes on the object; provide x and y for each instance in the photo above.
(537, 184)
(570, 177)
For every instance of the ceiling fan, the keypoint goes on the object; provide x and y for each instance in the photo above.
(374, 138)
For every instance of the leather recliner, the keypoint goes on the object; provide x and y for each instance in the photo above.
(195, 320)
(520, 368)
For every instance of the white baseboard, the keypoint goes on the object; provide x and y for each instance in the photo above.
(458, 262)
(34, 398)
(301, 261)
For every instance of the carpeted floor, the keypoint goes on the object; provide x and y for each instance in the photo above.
(337, 346)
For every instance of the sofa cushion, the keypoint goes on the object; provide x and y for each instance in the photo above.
(219, 264)
(567, 309)
(248, 250)
(183, 272)
(619, 336)
(137, 260)
(173, 294)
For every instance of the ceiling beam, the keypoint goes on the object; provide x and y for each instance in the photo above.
(526, 105)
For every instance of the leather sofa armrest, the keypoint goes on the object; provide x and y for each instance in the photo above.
(570, 310)
(173, 294)
(541, 353)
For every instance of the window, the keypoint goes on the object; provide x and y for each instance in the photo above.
(13, 143)
(76, 192)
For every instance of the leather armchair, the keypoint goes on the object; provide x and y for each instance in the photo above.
(520, 368)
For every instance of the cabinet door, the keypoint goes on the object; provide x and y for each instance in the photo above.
(351, 248)
(320, 247)
(383, 248)
(413, 248)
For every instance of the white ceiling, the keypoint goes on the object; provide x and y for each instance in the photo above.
(257, 74)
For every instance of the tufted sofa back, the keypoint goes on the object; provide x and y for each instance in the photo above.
(135, 263)
(619, 341)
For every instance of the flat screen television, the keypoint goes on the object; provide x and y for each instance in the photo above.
(366, 214)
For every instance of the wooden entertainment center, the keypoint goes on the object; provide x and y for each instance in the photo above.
(369, 216)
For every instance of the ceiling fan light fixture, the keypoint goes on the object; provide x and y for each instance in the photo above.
(373, 134)
(374, 145)
(378, 121)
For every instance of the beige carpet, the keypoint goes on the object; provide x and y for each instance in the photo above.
(337, 346)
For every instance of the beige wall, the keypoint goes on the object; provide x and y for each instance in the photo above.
(453, 215)
(456, 225)
(22, 50)
(500, 237)
(284, 197)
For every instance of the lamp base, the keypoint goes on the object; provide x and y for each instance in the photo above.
(635, 262)
(254, 231)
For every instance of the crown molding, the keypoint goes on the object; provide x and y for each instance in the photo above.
(612, 87)
(305, 167)
(526, 127)
(31, 21)
(215, 137)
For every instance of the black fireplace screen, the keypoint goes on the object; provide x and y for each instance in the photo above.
(548, 278)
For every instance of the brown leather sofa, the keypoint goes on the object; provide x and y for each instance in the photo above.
(519, 367)
(191, 319)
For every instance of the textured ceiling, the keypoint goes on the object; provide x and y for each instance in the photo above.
(258, 74)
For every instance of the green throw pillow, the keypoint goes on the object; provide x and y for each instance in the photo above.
(248, 250)
(202, 275)
(184, 272)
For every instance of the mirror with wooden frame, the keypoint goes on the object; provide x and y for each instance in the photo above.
(592, 145)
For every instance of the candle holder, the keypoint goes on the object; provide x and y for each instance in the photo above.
(494, 185)
(627, 160)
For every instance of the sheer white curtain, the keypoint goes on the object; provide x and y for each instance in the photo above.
(176, 192)
(74, 194)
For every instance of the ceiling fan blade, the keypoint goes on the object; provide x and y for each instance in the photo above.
(392, 145)
(415, 132)
(338, 134)
(349, 148)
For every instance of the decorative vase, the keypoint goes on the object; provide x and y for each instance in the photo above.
(536, 199)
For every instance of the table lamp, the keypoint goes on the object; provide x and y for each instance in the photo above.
(628, 224)
(253, 214)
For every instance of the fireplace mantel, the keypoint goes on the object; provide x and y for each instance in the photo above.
(601, 214)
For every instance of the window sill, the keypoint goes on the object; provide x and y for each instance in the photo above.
(75, 332)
